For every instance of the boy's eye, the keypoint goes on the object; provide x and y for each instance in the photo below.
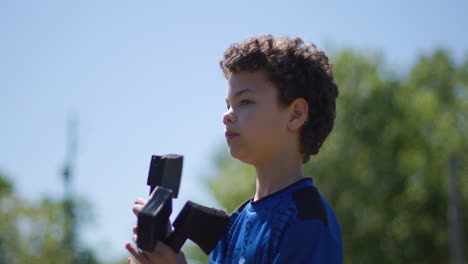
(245, 102)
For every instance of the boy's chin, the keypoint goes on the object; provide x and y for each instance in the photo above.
(235, 153)
(239, 155)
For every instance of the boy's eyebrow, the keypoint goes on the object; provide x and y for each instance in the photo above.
(238, 93)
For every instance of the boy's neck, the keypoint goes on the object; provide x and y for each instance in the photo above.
(277, 175)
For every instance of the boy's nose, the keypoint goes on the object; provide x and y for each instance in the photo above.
(229, 117)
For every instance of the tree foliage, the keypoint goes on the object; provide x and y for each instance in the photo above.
(385, 167)
(35, 232)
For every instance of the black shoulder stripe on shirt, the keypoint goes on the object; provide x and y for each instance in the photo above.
(310, 204)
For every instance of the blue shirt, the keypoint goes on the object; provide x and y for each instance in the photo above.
(293, 225)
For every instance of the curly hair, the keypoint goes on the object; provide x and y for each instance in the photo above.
(298, 70)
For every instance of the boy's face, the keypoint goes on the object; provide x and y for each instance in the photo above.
(256, 124)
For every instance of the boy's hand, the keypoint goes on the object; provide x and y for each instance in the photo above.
(162, 254)
(139, 203)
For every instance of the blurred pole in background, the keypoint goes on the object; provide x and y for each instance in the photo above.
(454, 210)
(69, 206)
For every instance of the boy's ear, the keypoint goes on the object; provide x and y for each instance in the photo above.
(299, 113)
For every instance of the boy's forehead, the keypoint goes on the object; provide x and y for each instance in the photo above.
(253, 82)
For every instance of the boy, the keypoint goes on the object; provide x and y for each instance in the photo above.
(280, 108)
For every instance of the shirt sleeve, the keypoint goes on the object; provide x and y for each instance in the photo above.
(310, 242)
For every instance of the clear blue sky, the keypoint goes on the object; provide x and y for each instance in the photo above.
(143, 78)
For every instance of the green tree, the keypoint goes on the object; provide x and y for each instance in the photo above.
(34, 232)
(385, 167)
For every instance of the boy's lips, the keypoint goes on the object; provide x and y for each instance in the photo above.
(230, 135)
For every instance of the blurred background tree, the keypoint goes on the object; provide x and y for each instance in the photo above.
(398, 145)
(35, 232)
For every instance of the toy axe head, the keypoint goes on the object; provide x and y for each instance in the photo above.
(201, 224)
(165, 171)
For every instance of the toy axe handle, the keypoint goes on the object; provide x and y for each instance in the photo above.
(175, 240)
(201, 224)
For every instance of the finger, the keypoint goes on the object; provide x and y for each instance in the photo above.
(165, 251)
(137, 208)
(154, 256)
(140, 200)
(135, 229)
(134, 238)
(131, 261)
(142, 258)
